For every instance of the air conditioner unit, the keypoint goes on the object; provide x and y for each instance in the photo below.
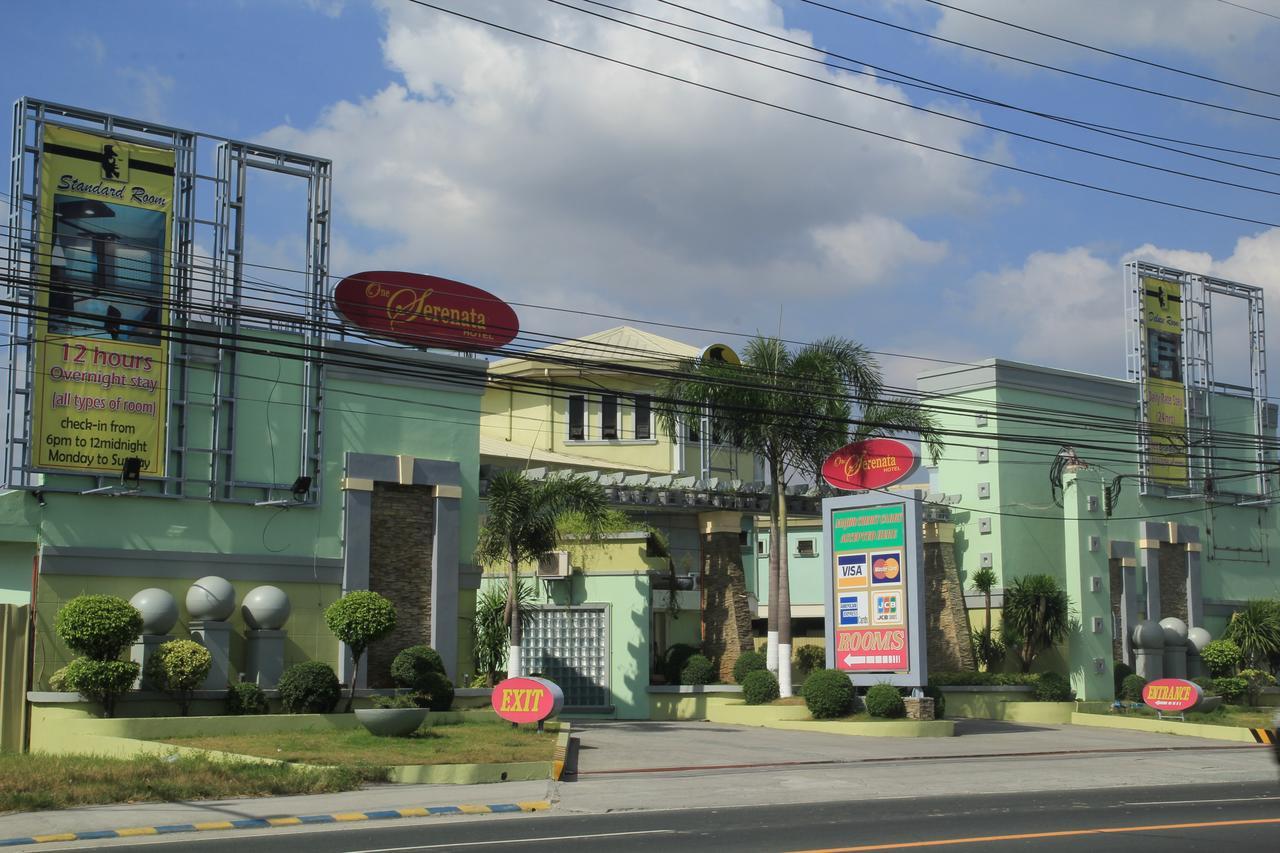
(554, 564)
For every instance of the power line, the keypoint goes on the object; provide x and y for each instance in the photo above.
(1002, 22)
(1249, 9)
(1035, 64)
(848, 125)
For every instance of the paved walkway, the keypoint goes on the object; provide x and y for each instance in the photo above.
(630, 766)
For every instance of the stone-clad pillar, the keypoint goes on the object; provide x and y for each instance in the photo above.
(726, 619)
(947, 618)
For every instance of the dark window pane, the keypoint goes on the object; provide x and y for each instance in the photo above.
(609, 416)
(644, 417)
(577, 417)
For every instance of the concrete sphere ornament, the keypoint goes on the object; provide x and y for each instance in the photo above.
(211, 599)
(265, 608)
(1148, 635)
(1198, 638)
(1175, 631)
(158, 608)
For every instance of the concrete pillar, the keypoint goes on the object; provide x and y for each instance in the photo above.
(216, 637)
(264, 657)
(1088, 580)
(1151, 534)
(141, 652)
(726, 619)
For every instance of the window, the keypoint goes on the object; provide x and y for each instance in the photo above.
(644, 417)
(609, 416)
(570, 646)
(806, 547)
(762, 546)
(577, 417)
(691, 427)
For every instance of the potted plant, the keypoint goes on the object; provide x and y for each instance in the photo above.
(392, 716)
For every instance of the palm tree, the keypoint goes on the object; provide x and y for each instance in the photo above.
(990, 650)
(1256, 630)
(792, 409)
(1037, 616)
(521, 525)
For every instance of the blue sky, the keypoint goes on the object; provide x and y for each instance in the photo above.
(555, 179)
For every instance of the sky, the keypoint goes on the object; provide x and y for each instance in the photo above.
(579, 187)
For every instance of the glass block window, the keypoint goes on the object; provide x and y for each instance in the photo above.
(569, 645)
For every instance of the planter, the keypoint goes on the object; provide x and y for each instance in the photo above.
(391, 722)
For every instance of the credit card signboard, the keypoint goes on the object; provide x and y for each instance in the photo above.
(869, 580)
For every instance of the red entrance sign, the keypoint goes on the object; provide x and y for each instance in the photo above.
(527, 700)
(1171, 694)
(425, 310)
(871, 649)
(871, 464)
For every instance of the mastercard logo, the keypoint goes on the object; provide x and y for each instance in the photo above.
(886, 568)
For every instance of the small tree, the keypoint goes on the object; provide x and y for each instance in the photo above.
(490, 629)
(1256, 630)
(100, 627)
(1037, 616)
(1222, 658)
(988, 648)
(179, 667)
(359, 618)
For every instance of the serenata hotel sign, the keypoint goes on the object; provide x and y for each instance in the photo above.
(425, 310)
(871, 464)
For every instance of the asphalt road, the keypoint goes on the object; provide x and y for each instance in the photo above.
(1235, 817)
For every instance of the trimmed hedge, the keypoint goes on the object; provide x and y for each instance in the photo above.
(973, 678)
(100, 627)
(1052, 687)
(698, 670)
(828, 694)
(677, 656)
(309, 688)
(747, 663)
(760, 687)
(1131, 688)
(884, 700)
(245, 697)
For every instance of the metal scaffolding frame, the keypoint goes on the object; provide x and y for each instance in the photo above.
(196, 325)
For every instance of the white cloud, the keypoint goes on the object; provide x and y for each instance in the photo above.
(1151, 29)
(149, 90)
(543, 175)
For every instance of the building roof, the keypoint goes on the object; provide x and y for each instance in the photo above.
(620, 345)
(497, 448)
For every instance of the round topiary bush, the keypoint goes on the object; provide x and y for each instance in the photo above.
(1222, 657)
(100, 627)
(884, 700)
(179, 667)
(810, 658)
(677, 656)
(101, 680)
(413, 665)
(1131, 688)
(1052, 687)
(435, 691)
(245, 697)
(760, 687)
(359, 618)
(828, 694)
(747, 663)
(309, 688)
(697, 670)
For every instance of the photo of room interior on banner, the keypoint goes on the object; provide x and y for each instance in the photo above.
(175, 417)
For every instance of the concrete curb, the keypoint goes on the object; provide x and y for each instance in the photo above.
(268, 822)
(1237, 734)
(561, 753)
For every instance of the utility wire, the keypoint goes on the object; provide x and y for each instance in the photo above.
(1116, 54)
(1249, 9)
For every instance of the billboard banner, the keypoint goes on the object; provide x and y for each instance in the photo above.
(874, 593)
(1164, 388)
(101, 355)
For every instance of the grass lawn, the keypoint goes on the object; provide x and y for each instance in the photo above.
(34, 782)
(488, 741)
(1224, 715)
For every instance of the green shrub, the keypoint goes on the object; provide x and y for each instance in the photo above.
(884, 700)
(810, 658)
(828, 694)
(99, 627)
(101, 680)
(1221, 657)
(676, 658)
(972, 678)
(1052, 687)
(760, 687)
(1119, 672)
(1255, 680)
(359, 618)
(1231, 688)
(309, 688)
(988, 648)
(245, 697)
(400, 700)
(1131, 688)
(1206, 684)
(58, 681)
(698, 670)
(434, 691)
(179, 667)
(413, 666)
(747, 663)
(1256, 630)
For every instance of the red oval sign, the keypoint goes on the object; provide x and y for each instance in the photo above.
(1171, 694)
(871, 464)
(425, 310)
(527, 700)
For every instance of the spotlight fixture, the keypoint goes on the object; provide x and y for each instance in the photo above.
(131, 471)
(38, 494)
(300, 488)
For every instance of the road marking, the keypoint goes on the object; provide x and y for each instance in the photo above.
(504, 841)
(1197, 802)
(1064, 833)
